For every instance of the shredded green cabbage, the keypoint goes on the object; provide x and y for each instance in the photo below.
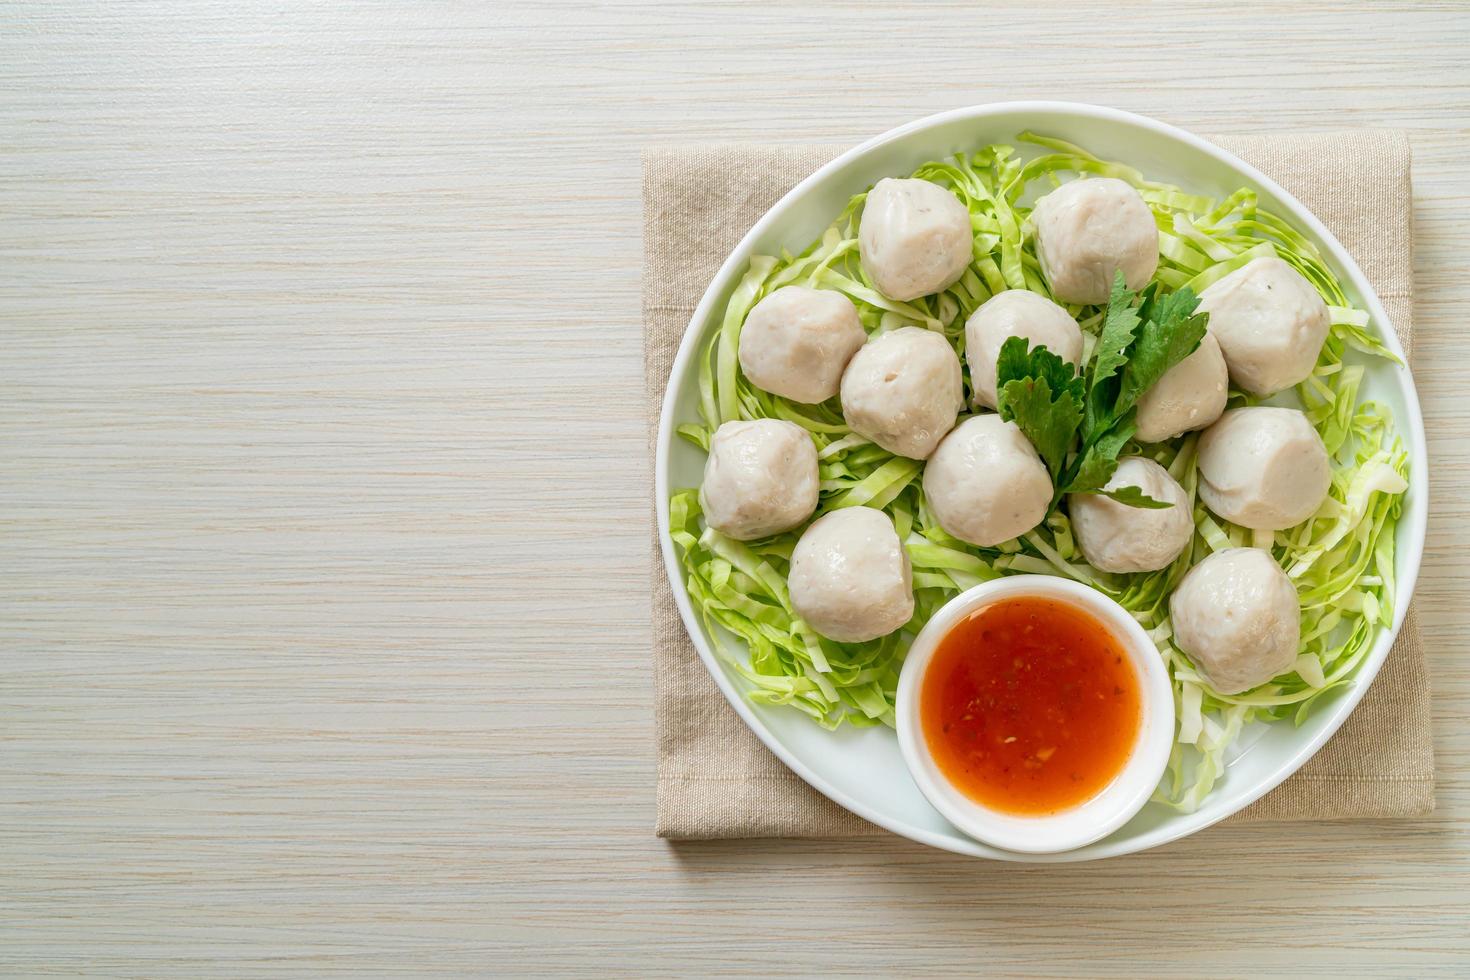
(1342, 560)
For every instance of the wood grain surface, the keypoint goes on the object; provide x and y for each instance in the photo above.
(323, 501)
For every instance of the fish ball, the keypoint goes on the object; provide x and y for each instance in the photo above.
(903, 390)
(986, 483)
(1237, 616)
(1189, 396)
(1117, 538)
(760, 478)
(797, 340)
(1270, 323)
(1089, 229)
(1263, 468)
(850, 576)
(915, 238)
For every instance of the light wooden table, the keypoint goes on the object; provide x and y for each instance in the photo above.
(323, 542)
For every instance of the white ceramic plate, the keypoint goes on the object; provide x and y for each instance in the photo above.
(862, 770)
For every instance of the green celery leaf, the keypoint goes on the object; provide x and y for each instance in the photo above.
(1119, 329)
(1171, 332)
(1042, 394)
(1134, 497)
(1100, 459)
(1048, 419)
(1018, 360)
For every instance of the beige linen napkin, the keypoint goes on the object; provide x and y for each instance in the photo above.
(715, 778)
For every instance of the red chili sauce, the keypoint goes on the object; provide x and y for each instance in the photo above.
(1030, 706)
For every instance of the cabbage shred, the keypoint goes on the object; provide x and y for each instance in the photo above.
(1342, 560)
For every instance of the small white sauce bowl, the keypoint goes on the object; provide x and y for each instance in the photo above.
(1089, 821)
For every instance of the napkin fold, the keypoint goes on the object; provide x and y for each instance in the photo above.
(715, 778)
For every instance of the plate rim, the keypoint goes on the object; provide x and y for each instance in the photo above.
(1412, 429)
